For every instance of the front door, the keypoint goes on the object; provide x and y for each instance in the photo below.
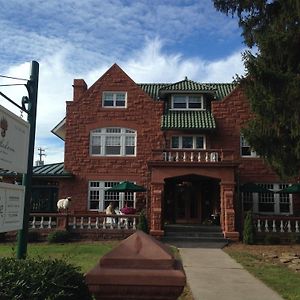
(188, 204)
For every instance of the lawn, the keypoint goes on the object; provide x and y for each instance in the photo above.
(83, 255)
(258, 260)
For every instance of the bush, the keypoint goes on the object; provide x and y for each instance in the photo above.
(41, 279)
(248, 232)
(58, 236)
(143, 224)
(272, 239)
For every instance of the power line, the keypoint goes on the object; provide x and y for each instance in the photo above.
(12, 84)
(16, 78)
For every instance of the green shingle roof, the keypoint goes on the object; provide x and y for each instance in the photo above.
(188, 86)
(220, 90)
(188, 120)
(51, 170)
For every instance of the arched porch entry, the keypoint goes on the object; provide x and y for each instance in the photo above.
(191, 194)
(191, 199)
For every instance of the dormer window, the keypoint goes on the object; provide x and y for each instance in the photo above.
(114, 99)
(187, 102)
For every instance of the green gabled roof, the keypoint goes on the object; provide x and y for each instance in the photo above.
(188, 120)
(152, 88)
(188, 86)
(220, 90)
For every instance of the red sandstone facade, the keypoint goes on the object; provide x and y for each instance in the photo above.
(183, 185)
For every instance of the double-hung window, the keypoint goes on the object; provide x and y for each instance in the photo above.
(99, 197)
(113, 142)
(114, 99)
(188, 142)
(187, 102)
(269, 203)
(246, 150)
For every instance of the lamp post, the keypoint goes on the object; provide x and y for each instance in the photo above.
(31, 100)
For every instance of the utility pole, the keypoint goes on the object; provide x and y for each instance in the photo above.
(41, 153)
(31, 100)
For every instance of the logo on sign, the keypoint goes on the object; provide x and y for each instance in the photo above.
(3, 127)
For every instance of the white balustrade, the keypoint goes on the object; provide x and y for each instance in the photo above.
(278, 225)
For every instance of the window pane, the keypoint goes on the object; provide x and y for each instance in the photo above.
(187, 142)
(175, 142)
(179, 102)
(96, 145)
(113, 145)
(195, 102)
(199, 142)
(108, 99)
(246, 151)
(120, 99)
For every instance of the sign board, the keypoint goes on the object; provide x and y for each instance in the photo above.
(14, 139)
(11, 206)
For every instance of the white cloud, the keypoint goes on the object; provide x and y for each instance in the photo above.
(149, 64)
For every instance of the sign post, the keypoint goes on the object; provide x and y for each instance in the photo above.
(32, 87)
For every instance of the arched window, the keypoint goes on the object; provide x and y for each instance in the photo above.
(113, 141)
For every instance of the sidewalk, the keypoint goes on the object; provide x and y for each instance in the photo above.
(213, 275)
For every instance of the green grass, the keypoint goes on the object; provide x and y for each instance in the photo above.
(278, 277)
(83, 255)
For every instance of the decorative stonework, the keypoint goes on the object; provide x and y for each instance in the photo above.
(140, 267)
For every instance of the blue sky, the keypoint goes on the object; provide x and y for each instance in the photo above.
(153, 41)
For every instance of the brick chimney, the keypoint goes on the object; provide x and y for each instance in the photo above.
(79, 87)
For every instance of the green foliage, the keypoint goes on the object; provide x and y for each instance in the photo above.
(143, 224)
(248, 232)
(58, 236)
(272, 82)
(40, 279)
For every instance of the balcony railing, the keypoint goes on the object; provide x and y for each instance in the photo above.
(279, 224)
(83, 221)
(194, 156)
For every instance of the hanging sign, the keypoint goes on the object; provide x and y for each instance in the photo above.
(11, 206)
(14, 139)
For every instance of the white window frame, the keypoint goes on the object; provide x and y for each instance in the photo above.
(103, 136)
(194, 141)
(187, 102)
(100, 187)
(244, 144)
(276, 200)
(114, 93)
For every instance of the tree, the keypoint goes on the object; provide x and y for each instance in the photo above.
(272, 81)
(248, 232)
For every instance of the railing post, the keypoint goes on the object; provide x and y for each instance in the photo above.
(274, 226)
(258, 225)
(297, 226)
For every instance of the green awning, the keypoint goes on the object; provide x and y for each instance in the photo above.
(188, 120)
(254, 188)
(126, 186)
(292, 189)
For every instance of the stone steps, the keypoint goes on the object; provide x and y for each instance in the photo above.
(192, 235)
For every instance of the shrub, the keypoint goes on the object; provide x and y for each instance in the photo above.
(41, 279)
(272, 239)
(58, 236)
(143, 224)
(248, 232)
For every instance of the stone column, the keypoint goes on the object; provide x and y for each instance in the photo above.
(156, 209)
(227, 211)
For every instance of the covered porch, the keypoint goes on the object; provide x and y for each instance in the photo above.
(191, 193)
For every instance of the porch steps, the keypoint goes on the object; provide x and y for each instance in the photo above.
(207, 236)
